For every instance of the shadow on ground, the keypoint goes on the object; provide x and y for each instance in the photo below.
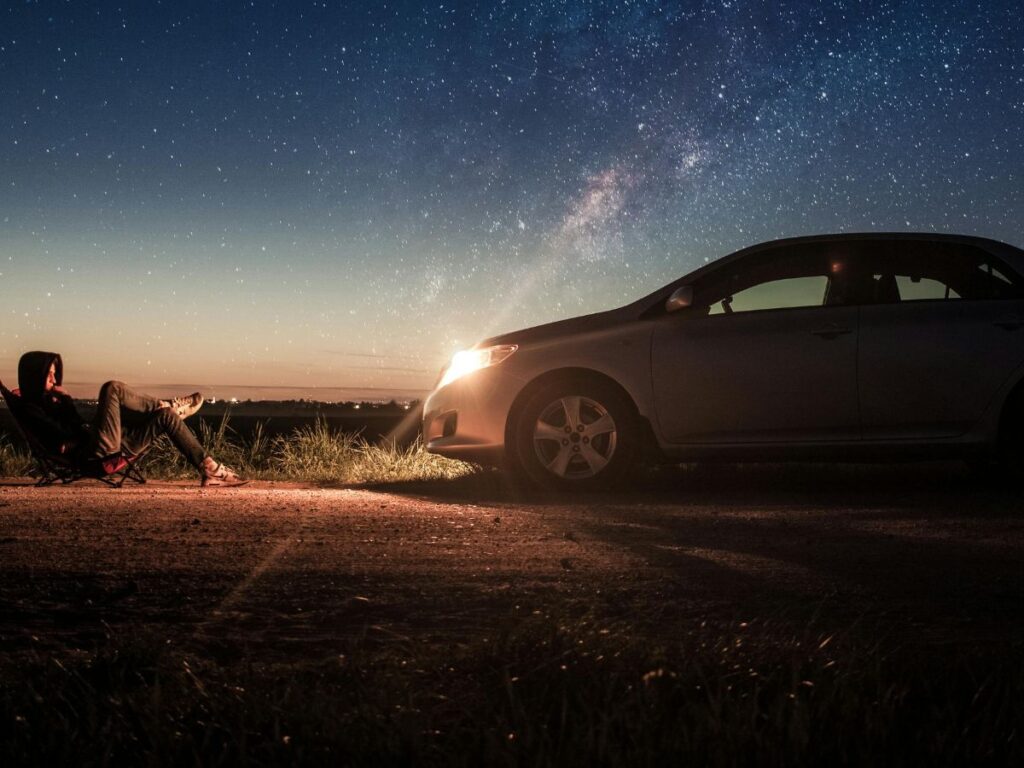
(950, 483)
(928, 550)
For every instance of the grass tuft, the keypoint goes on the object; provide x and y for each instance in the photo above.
(314, 452)
(15, 461)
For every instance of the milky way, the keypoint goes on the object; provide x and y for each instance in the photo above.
(342, 194)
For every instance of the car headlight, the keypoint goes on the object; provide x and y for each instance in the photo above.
(471, 360)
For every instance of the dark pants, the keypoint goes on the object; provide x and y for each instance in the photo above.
(128, 420)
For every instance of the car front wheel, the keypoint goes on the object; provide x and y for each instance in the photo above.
(575, 434)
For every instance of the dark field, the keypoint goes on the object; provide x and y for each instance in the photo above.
(370, 426)
(722, 616)
(277, 418)
(369, 420)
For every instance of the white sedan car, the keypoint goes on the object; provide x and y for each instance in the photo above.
(844, 347)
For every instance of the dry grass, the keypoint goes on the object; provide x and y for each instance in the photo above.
(313, 453)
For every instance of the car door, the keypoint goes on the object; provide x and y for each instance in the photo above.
(942, 328)
(766, 353)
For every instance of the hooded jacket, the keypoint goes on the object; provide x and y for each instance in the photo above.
(52, 415)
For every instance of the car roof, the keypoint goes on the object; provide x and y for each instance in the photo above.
(1012, 255)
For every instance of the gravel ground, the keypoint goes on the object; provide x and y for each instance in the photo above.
(913, 555)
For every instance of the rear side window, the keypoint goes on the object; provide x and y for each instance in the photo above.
(923, 271)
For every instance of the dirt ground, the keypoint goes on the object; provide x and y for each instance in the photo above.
(922, 554)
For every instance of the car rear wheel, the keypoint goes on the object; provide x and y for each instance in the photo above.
(1010, 458)
(575, 434)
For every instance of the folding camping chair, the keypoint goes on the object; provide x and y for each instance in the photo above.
(59, 468)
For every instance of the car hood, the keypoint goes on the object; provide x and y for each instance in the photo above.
(560, 328)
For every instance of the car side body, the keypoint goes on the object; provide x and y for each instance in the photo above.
(912, 351)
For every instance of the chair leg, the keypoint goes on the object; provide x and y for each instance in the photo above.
(48, 474)
(115, 480)
(133, 472)
(130, 472)
(51, 478)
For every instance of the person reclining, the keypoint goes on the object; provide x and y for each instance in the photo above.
(125, 420)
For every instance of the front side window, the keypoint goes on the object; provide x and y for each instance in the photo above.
(786, 293)
(923, 271)
(790, 278)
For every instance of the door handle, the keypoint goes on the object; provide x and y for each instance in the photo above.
(1009, 324)
(831, 332)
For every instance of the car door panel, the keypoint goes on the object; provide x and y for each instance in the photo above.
(779, 375)
(929, 369)
(940, 333)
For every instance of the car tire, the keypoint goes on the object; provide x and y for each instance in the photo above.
(575, 434)
(1010, 459)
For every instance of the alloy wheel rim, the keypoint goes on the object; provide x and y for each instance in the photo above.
(574, 437)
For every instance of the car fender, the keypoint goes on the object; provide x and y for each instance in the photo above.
(621, 355)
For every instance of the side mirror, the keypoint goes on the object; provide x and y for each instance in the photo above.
(681, 298)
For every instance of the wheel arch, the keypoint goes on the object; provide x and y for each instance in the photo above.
(649, 442)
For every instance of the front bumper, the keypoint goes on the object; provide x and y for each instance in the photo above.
(466, 419)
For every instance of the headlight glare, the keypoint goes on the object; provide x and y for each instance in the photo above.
(470, 360)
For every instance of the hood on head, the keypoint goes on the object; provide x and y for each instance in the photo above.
(32, 370)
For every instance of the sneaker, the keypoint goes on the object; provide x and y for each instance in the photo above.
(186, 406)
(219, 475)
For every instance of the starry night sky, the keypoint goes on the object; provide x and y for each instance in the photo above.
(298, 195)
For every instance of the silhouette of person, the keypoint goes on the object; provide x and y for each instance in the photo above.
(126, 420)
